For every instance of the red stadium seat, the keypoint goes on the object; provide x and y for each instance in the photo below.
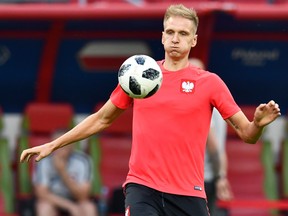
(115, 153)
(246, 175)
(40, 120)
(47, 117)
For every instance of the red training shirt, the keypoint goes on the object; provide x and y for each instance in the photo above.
(170, 129)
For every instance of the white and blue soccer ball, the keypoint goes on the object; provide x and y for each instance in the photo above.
(140, 76)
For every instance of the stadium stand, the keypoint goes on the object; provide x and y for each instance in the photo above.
(40, 120)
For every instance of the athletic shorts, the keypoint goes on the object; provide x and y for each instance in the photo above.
(144, 201)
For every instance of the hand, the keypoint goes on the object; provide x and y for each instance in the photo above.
(266, 113)
(41, 151)
(223, 189)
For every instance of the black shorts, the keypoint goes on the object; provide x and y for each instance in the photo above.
(144, 201)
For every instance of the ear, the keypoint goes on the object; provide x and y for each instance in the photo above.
(194, 42)
(162, 39)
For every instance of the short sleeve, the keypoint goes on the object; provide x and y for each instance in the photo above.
(120, 99)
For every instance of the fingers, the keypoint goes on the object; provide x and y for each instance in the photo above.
(38, 158)
(27, 155)
(24, 156)
(271, 103)
(274, 106)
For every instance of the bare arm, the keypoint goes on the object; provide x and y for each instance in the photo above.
(91, 125)
(250, 132)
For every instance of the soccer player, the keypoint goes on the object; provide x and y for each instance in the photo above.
(170, 128)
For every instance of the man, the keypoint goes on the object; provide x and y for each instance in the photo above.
(62, 183)
(170, 128)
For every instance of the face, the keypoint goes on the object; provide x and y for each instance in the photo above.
(178, 37)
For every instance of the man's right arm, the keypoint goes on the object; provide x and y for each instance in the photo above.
(91, 125)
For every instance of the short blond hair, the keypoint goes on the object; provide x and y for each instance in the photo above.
(183, 11)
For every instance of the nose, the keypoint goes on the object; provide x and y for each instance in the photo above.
(175, 38)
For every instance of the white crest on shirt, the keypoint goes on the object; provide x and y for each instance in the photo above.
(187, 86)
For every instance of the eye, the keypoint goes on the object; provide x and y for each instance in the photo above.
(184, 33)
(169, 32)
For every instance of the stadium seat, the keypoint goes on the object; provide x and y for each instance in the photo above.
(246, 175)
(40, 120)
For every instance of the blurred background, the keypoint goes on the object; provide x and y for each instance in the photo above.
(59, 61)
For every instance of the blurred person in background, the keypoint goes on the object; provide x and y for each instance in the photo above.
(217, 185)
(62, 183)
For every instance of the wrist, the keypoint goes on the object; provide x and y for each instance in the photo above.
(256, 124)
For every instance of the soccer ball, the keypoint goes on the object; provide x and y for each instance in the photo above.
(140, 76)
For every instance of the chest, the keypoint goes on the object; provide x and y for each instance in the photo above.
(181, 95)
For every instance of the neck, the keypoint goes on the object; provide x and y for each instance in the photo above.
(174, 65)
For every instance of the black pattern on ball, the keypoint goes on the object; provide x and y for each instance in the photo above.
(152, 92)
(140, 60)
(151, 74)
(134, 86)
(123, 69)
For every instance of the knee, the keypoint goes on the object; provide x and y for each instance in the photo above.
(44, 208)
(87, 207)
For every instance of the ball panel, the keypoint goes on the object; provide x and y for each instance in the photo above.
(153, 91)
(151, 74)
(134, 86)
(140, 59)
(124, 69)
